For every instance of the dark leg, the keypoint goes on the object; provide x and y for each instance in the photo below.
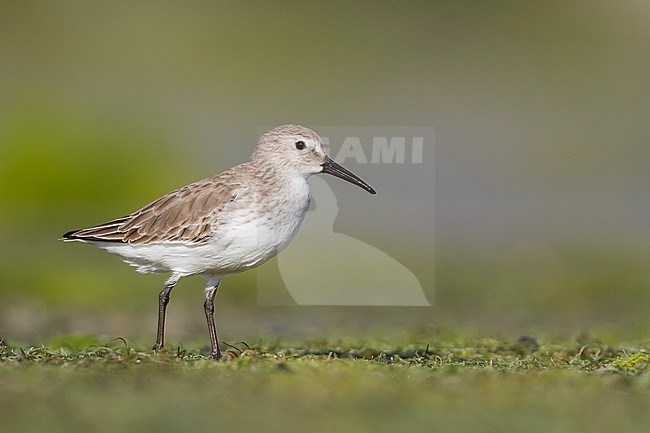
(210, 292)
(163, 300)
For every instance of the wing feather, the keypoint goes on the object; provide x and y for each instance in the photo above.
(189, 214)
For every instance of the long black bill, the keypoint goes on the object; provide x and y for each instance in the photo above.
(331, 167)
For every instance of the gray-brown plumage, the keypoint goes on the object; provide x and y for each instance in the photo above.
(189, 215)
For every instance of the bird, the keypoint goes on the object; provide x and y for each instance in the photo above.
(224, 224)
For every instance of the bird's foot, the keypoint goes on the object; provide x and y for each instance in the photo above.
(216, 355)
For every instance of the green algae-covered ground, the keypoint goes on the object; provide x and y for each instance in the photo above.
(316, 386)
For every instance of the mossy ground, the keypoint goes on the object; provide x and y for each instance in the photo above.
(442, 385)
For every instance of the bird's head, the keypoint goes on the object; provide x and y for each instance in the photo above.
(300, 151)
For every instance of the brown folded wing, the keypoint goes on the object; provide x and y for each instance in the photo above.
(189, 215)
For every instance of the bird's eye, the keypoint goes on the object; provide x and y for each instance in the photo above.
(300, 145)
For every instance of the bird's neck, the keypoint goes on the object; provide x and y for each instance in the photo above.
(276, 173)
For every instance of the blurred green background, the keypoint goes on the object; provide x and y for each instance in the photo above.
(540, 110)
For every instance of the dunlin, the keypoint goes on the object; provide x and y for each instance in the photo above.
(224, 224)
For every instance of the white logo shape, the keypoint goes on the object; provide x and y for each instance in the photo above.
(322, 267)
